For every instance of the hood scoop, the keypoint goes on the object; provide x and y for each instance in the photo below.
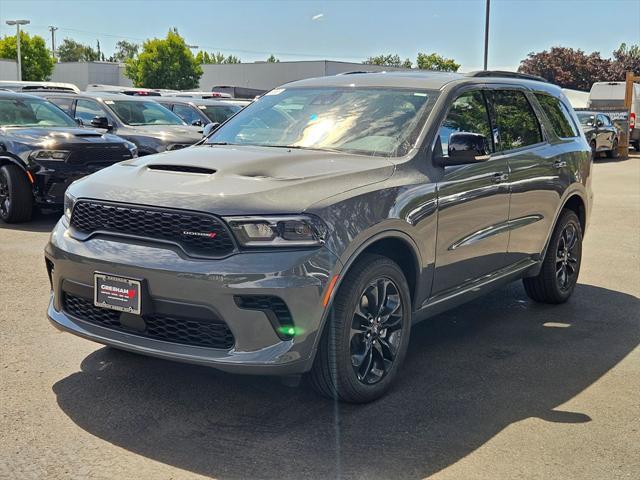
(182, 169)
(88, 134)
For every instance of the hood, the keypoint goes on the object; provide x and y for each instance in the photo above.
(234, 180)
(167, 132)
(59, 135)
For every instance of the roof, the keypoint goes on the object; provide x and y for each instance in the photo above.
(18, 95)
(421, 79)
(196, 101)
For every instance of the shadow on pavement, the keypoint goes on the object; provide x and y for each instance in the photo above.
(469, 374)
(41, 222)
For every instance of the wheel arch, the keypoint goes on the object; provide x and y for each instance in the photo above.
(404, 252)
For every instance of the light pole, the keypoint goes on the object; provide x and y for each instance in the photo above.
(486, 34)
(53, 29)
(17, 23)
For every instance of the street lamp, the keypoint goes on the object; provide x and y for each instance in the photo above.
(17, 23)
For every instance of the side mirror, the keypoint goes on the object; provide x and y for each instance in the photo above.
(209, 128)
(196, 123)
(599, 123)
(79, 121)
(100, 122)
(465, 148)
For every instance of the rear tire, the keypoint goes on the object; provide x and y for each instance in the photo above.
(365, 339)
(561, 265)
(16, 197)
(613, 153)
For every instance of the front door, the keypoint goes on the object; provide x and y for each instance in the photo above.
(473, 203)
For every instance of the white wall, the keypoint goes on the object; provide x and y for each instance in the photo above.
(8, 70)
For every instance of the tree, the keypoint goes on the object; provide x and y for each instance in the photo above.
(72, 51)
(124, 51)
(36, 60)
(204, 58)
(433, 61)
(272, 59)
(567, 67)
(388, 60)
(626, 59)
(165, 63)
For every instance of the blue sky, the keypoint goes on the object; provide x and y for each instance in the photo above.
(341, 30)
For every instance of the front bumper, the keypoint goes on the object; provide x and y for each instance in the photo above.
(298, 277)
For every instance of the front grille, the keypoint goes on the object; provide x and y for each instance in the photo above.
(102, 154)
(213, 333)
(198, 234)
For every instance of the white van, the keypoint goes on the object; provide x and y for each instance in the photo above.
(605, 95)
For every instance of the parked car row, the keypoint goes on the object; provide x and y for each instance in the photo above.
(54, 135)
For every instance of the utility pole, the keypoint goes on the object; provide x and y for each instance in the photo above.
(17, 23)
(486, 34)
(53, 29)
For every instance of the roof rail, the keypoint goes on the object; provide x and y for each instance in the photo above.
(358, 72)
(505, 74)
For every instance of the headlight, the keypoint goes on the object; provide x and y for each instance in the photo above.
(59, 155)
(284, 231)
(69, 202)
(133, 149)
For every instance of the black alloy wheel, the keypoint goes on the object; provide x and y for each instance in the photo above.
(567, 258)
(5, 195)
(376, 330)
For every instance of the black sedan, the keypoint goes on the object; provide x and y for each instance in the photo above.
(43, 150)
(601, 133)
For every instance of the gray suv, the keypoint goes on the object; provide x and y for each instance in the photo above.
(312, 229)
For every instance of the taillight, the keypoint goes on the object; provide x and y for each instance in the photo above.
(632, 121)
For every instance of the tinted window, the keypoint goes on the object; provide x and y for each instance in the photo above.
(370, 121)
(143, 113)
(468, 114)
(558, 115)
(65, 104)
(186, 113)
(32, 113)
(87, 110)
(515, 123)
(220, 113)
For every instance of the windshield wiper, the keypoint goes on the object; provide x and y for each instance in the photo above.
(300, 147)
(220, 143)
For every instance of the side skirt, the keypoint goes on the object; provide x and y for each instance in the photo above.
(469, 291)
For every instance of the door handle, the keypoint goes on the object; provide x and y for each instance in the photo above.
(559, 164)
(500, 177)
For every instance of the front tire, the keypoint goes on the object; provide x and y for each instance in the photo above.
(367, 333)
(561, 265)
(613, 153)
(16, 198)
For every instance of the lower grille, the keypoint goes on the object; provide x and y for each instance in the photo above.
(212, 333)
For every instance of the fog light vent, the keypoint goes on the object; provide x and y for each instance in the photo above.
(274, 308)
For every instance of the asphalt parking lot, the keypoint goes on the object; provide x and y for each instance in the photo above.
(500, 388)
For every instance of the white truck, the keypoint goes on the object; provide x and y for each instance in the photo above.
(610, 95)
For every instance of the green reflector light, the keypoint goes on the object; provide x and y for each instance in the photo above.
(290, 330)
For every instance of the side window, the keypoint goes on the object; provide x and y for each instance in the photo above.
(186, 113)
(86, 110)
(468, 114)
(515, 123)
(558, 115)
(66, 104)
(607, 120)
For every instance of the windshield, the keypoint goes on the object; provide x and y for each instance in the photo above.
(219, 113)
(133, 112)
(586, 118)
(27, 112)
(370, 121)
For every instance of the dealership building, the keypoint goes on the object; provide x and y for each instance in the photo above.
(259, 75)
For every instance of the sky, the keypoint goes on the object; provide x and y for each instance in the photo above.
(342, 30)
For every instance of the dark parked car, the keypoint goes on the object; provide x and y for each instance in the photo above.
(323, 220)
(152, 127)
(200, 112)
(42, 150)
(600, 132)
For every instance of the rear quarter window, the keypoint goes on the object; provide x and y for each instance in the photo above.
(558, 115)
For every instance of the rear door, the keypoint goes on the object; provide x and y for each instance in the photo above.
(473, 203)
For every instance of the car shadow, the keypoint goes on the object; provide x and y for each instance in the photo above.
(469, 374)
(40, 222)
